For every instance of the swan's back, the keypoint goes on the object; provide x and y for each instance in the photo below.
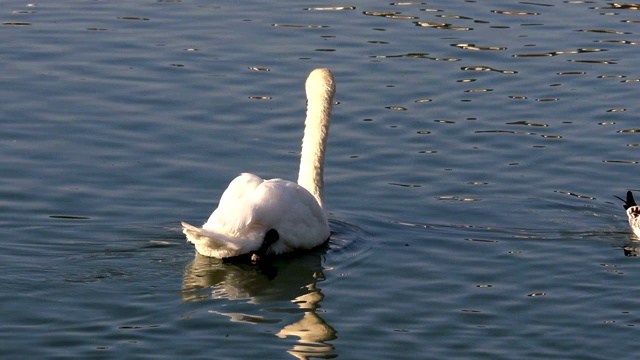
(251, 206)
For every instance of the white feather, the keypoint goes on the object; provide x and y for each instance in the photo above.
(633, 213)
(251, 206)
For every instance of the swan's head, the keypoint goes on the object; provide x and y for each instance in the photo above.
(269, 238)
(320, 85)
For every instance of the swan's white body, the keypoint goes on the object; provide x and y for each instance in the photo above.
(251, 206)
(633, 212)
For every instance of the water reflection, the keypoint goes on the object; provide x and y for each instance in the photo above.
(290, 278)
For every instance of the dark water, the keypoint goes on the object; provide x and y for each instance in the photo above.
(473, 156)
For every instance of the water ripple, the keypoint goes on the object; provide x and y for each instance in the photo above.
(589, 197)
(441, 25)
(303, 26)
(381, 13)
(137, 18)
(606, 62)
(487, 68)
(331, 8)
(556, 53)
(616, 41)
(527, 123)
(505, 131)
(406, 3)
(416, 56)
(604, 31)
(625, 6)
(517, 13)
(621, 161)
(479, 48)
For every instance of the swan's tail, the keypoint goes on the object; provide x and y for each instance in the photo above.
(630, 202)
(209, 243)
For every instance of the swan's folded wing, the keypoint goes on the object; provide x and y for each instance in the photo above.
(239, 190)
(235, 210)
(293, 212)
(219, 242)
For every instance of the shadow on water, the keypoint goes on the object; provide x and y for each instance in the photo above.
(291, 278)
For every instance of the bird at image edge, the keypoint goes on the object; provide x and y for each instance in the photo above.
(633, 212)
(275, 216)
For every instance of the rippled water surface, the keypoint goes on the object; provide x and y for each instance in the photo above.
(474, 151)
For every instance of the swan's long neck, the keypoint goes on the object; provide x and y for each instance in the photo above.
(320, 89)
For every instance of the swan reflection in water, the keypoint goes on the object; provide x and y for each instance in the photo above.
(293, 279)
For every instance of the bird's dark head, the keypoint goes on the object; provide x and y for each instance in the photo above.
(629, 202)
(270, 237)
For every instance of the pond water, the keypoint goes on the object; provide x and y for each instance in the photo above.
(473, 157)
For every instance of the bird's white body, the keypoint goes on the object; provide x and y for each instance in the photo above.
(633, 212)
(251, 206)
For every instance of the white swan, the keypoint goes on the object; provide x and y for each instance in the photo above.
(633, 212)
(275, 216)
